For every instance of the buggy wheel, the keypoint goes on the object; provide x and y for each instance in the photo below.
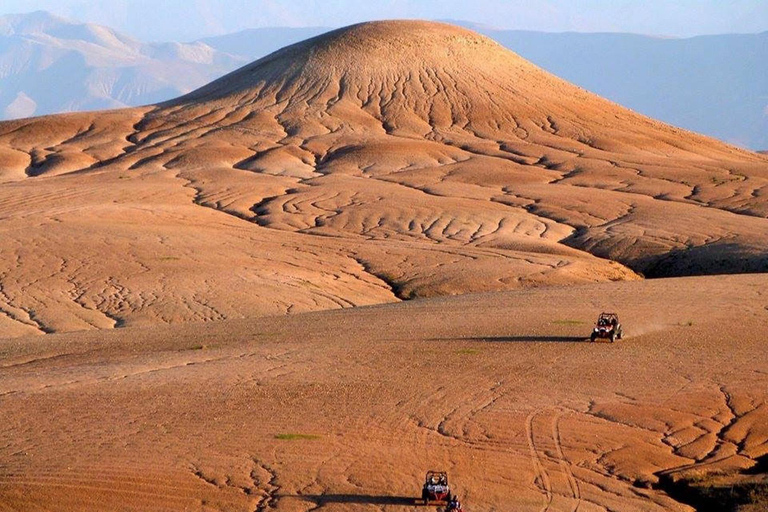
(613, 337)
(592, 337)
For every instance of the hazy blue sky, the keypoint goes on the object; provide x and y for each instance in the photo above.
(190, 19)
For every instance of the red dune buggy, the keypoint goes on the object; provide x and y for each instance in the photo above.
(607, 327)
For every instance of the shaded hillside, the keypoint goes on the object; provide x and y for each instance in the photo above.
(379, 162)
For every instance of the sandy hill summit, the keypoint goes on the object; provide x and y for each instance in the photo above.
(375, 163)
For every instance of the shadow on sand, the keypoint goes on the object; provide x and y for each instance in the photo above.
(355, 499)
(531, 339)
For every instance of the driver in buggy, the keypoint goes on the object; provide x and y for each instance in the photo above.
(454, 505)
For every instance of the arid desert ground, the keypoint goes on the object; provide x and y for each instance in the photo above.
(374, 253)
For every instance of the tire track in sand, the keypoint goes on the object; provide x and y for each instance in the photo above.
(542, 478)
(563, 462)
(559, 487)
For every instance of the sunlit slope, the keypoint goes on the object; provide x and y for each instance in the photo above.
(378, 162)
(347, 409)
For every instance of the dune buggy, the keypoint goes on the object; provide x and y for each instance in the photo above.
(436, 490)
(607, 327)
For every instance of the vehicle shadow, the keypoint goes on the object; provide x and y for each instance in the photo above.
(355, 499)
(531, 339)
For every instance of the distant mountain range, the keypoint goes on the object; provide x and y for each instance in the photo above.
(255, 43)
(716, 85)
(49, 64)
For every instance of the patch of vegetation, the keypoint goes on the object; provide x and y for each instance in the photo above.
(294, 437)
(568, 322)
(198, 347)
(169, 258)
(468, 351)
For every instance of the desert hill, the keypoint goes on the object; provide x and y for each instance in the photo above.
(207, 253)
(709, 84)
(380, 162)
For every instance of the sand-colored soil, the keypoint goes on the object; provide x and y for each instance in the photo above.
(500, 389)
(196, 266)
(381, 162)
